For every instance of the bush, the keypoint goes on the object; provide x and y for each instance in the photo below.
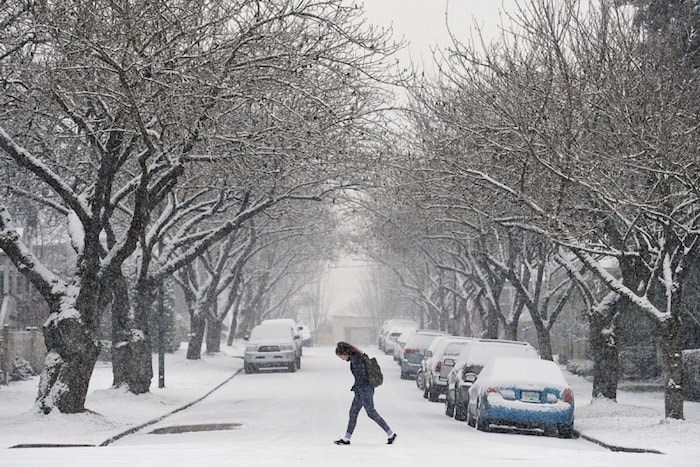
(639, 363)
(580, 367)
(691, 375)
(21, 370)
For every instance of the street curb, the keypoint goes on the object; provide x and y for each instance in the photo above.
(617, 448)
(156, 420)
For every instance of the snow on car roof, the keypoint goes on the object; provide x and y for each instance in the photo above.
(421, 340)
(271, 330)
(521, 371)
(481, 352)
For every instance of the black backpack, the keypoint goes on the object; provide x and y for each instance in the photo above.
(374, 372)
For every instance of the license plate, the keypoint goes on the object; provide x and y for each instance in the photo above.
(530, 396)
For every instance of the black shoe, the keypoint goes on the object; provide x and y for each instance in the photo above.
(392, 439)
(341, 441)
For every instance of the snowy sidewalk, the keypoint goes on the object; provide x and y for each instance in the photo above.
(112, 411)
(636, 421)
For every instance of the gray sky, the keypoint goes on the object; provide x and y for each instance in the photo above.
(423, 23)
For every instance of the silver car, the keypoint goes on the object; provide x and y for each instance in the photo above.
(440, 364)
(270, 346)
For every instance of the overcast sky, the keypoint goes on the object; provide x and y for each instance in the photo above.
(423, 23)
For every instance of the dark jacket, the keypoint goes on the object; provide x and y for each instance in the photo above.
(359, 371)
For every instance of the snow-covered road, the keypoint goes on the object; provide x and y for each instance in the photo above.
(291, 419)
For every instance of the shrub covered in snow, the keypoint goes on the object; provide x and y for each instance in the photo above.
(21, 370)
(580, 367)
(691, 375)
(639, 363)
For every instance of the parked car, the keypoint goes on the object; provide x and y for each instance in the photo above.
(270, 346)
(295, 329)
(426, 363)
(524, 393)
(306, 335)
(393, 335)
(414, 351)
(386, 327)
(471, 360)
(399, 345)
(435, 375)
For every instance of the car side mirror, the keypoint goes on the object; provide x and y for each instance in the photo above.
(296, 337)
(469, 377)
(428, 353)
(246, 337)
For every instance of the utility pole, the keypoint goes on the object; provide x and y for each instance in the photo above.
(161, 327)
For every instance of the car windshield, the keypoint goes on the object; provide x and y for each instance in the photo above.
(271, 331)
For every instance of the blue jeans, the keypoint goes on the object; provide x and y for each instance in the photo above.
(364, 397)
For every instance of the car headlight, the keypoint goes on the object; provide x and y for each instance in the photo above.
(251, 348)
(286, 347)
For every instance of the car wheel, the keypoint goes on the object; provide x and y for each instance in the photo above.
(470, 419)
(298, 363)
(565, 431)
(292, 367)
(460, 410)
(419, 380)
(247, 368)
(433, 395)
(482, 424)
(449, 408)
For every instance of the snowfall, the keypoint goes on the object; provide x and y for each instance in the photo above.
(211, 413)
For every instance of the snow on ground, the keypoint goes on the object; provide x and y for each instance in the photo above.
(291, 419)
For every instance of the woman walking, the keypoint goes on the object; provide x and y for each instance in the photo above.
(364, 393)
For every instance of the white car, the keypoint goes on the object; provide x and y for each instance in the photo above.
(426, 362)
(306, 336)
(471, 360)
(522, 393)
(393, 335)
(414, 351)
(295, 330)
(436, 370)
(388, 325)
(270, 346)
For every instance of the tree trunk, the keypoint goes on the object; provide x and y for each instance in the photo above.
(132, 360)
(672, 353)
(604, 353)
(120, 332)
(511, 330)
(72, 348)
(544, 341)
(213, 335)
(491, 323)
(194, 346)
(233, 328)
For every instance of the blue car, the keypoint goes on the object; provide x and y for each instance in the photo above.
(522, 393)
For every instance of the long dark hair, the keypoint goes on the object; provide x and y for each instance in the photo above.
(343, 348)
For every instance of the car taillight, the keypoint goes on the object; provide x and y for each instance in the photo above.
(491, 389)
(438, 367)
(409, 351)
(568, 396)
